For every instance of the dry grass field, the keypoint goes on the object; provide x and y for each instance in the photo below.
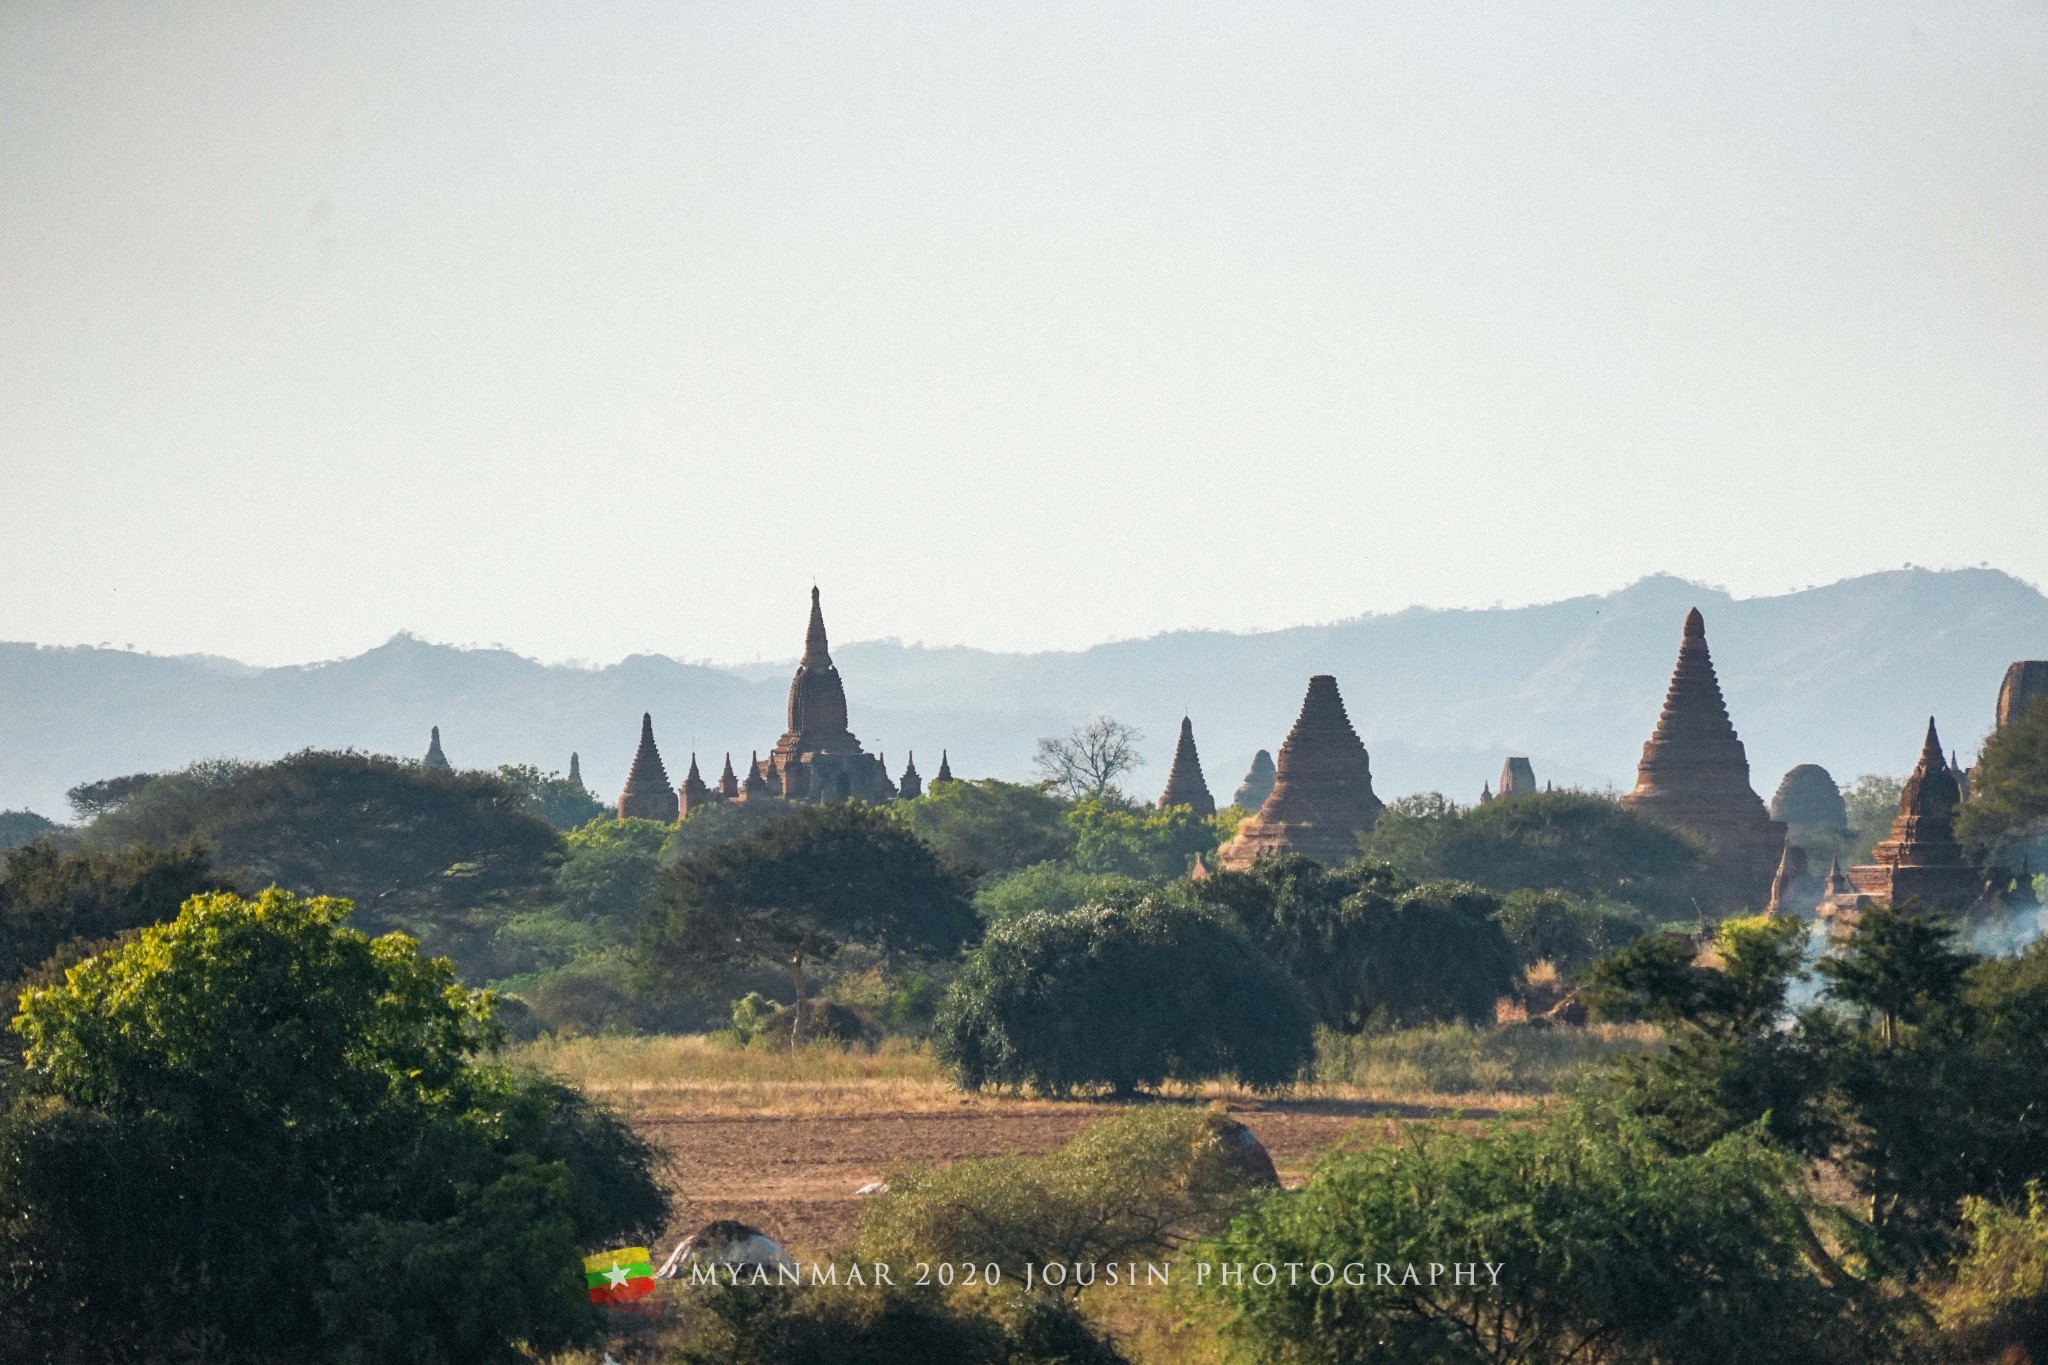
(781, 1139)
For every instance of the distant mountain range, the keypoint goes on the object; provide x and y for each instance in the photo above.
(1844, 675)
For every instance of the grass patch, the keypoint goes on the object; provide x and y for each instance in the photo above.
(1459, 1059)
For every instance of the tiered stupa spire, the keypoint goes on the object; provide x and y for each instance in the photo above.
(1257, 784)
(912, 786)
(945, 772)
(1185, 785)
(1694, 776)
(1322, 797)
(695, 794)
(1517, 777)
(728, 781)
(435, 758)
(648, 795)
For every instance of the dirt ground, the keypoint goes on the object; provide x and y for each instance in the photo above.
(793, 1175)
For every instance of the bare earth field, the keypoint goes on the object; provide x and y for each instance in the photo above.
(782, 1142)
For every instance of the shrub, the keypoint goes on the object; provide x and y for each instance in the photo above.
(280, 1125)
(49, 898)
(1140, 842)
(1123, 996)
(1366, 944)
(1999, 1300)
(989, 828)
(1054, 887)
(18, 827)
(1564, 930)
(766, 1325)
(1608, 1249)
(1136, 1185)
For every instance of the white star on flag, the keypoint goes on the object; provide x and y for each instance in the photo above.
(617, 1275)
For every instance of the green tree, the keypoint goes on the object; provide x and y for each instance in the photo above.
(1054, 887)
(1608, 1249)
(2008, 805)
(798, 890)
(279, 1127)
(91, 800)
(1124, 995)
(1586, 844)
(1142, 842)
(49, 898)
(561, 801)
(990, 828)
(1567, 931)
(443, 855)
(18, 827)
(1872, 802)
(1365, 943)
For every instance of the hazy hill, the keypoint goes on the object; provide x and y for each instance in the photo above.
(1844, 675)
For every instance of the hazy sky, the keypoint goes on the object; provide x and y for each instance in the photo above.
(600, 328)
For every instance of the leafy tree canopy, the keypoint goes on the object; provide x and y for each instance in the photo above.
(1144, 842)
(798, 890)
(2008, 803)
(281, 1125)
(443, 854)
(1123, 995)
(18, 827)
(1586, 844)
(1872, 801)
(1567, 931)
(1610, 1250)
(49, 898)
(1365, 943)
(989, 828)
(91, 800)
(1053, 887)
(563, 802)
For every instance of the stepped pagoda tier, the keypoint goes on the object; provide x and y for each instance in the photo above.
(648, 796)
(435, 758)
(757, 786)
(912, 786)
(1257, 784)
(818, 759)
(1517, 777)
(728, 782)
(695, 794)
(1920, 859)
(945, 772)
(1185, 785)
(1322, 797)
(1694, 776)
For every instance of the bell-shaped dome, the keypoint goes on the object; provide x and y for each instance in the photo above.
(817, 700)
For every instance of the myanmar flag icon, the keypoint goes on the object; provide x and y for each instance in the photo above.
(619, 1276)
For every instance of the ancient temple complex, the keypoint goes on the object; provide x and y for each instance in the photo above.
(647, 796)
(1920, 859)
(1322, 797)
(1694, 776)
(1185, 785)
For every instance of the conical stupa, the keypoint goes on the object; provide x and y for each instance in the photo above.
(435, 758)
(1791, 868)
(945, 772)
(1322, 797)
(694, 794)
(728, 781)
(1694, 776)
(1185, 785)
(1517, 778)
(912, 786)
(1920, 859)
(575, 768)
(648, 796)
(1257, 784)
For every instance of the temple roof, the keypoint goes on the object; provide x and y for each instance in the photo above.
(1322, 797)
(647, 771)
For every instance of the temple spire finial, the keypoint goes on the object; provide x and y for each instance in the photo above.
(815, 644)
(1695, 625)
(435, 758)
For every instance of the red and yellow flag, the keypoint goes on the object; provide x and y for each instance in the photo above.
(619, 1276)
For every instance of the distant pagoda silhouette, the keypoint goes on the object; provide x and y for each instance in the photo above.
(1185, 785)
(1257, 784)
(911, 786)
(647, 796)
(945, 772)
(1322, 797)
(1517, 778)
(1694, 776)
(435, 758)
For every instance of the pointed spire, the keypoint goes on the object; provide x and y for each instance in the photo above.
(912, 786)
(435, 758)
(755, 787)
(945, 773)
(1517, 778)
(648, 795)
(1486, 793)
(815, 647)
(694, 793)
(728, 781)
(1185, 785)
(1920, 858)
(1322, 798)
(817, 699)
(1838, 885)
(575, 768)
(1257, 784)
(1791, 867)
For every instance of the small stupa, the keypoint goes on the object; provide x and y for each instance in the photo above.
(1791, 867)
(695, 795)
(648, 796)
(1185, 785)
(1257, 784)
(575, 769)
(435, 758)
(1694, 776)
(1486, 793)
(1322, 797)
(1517, 778)
(911, 786)
(1920, 859)
(945, 772)
(728, 782)
(755, 786)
